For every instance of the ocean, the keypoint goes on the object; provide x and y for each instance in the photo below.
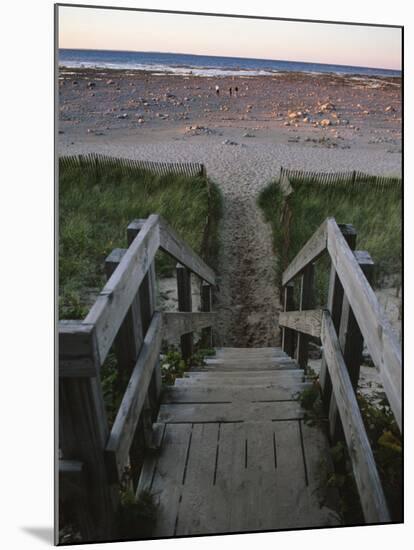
(202, 65)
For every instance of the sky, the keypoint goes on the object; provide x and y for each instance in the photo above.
(88, 28)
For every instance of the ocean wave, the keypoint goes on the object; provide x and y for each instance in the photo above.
(167, 69)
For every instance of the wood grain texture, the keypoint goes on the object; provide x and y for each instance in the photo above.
(116, 297)
(375, 328)
(315, 246)
(307, 321)
(369, 486)
(351, 342)
(77, 350)
(288, 336)
(178, 323)
(306, 300)
(334, 306)
(173, 244)
(123, 429)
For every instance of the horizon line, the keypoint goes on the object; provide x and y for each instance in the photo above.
(231, 57)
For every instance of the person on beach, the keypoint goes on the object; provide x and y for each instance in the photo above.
(236, 91)
(217, 90)
(230, 91)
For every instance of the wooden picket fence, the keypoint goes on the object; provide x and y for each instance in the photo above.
(99, 163)
(354, 177)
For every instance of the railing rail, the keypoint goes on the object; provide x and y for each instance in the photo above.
(353, 316)
(123, 318)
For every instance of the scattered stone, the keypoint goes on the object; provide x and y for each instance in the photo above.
(247, 135)
(91, 84)
(75, 83)
(325, 122)
(123, 115)
(389, 108)
(110, 82)
(229, 142)
(326, 107)
(286, 123)
(141, 121)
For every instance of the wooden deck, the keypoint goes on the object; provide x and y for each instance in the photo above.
(234, 451)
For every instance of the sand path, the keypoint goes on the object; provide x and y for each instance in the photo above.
(247, 300)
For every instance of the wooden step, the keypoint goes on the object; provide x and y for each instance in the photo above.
(233, 477)
(240, 367)
(230, 412)
(216, 394)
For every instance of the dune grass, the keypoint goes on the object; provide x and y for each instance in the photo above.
(374, 211)
(95, 208)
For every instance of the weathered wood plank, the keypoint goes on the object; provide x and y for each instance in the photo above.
(77, 350)
(114, 300)
(230, 412)
(230, 394)
(305, 302)
(315, 246)
(379, 338)
(351, 342)
(363, 463)
(128, 341)
(319, 468)
(185, 304)
(123, 429)
(334, 306)
(167, 482)
(307, 321)
(171, 243)
(199, 512)
(288, 336)
(176, 323)
(83, 431)
(206, 306)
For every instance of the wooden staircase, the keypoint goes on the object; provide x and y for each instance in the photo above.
(234, 453)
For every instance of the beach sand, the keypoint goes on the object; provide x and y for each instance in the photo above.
(243, 141)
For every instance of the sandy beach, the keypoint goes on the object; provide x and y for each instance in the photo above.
(296, 120)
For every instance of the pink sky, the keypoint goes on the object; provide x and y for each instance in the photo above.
(89, 28)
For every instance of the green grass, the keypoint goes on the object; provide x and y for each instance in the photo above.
(375, 213)
(96, 204)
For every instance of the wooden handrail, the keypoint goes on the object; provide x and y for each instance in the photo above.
(379, 338)
(315, 246)
(372, 497)
(123, 429)
(123, 318)
(111, 306)
(355, 314)
(177, 323)
(173, 244)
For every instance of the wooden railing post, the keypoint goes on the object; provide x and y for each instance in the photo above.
(351, 342)
(288, 335)
(206, 305)
(334, 306)
(185, 304)
(83, 429)
(148, 299)
(305, 302)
